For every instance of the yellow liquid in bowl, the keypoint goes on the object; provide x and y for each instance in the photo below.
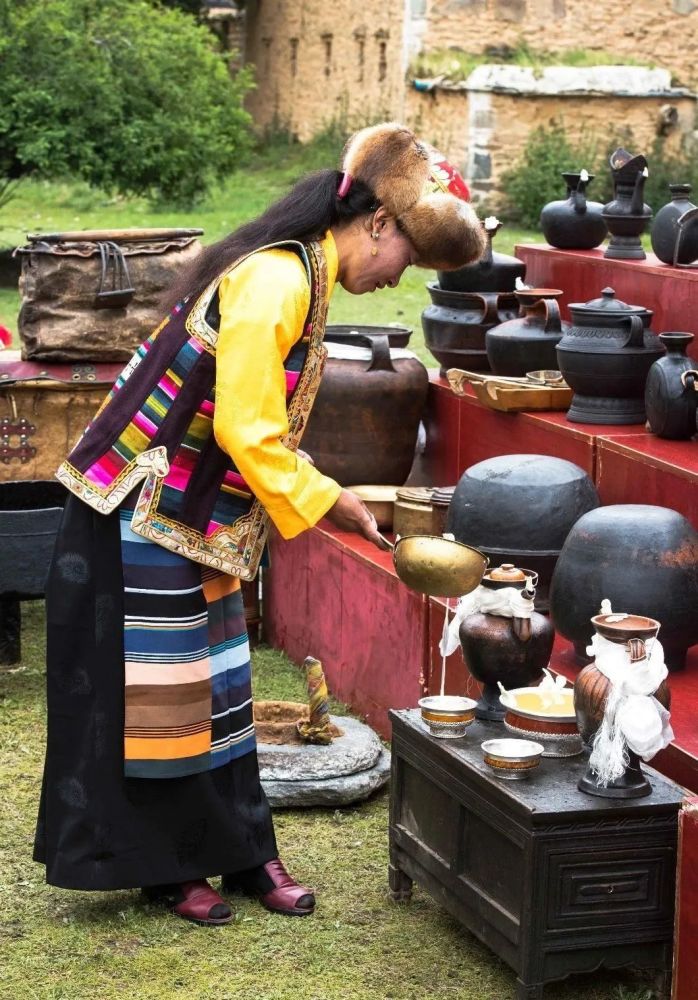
(553, 703)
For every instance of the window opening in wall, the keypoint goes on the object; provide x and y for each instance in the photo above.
(293, 42)
(266, 43)
(327, 42)
(382, 39)
(360, 39)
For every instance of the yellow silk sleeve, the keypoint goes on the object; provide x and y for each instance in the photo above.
(263, 306)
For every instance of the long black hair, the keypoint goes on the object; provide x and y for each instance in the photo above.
(306, 213)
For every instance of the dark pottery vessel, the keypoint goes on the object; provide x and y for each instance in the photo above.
(605, 357)
(30, 513)
(527, 343)
(591, 690)
(494, 272)
(455, 325)
(519, 509)
(574, 223)
(638, 556)
(346, 333)
(627, 216)
(511, 651)
(671, 392)
(364, 424)
(666, 231)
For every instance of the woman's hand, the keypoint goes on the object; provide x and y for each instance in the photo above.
(349, 513)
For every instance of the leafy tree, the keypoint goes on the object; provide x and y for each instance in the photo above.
(126, 95)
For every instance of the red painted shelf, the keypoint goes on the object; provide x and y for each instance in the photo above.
(670, 292)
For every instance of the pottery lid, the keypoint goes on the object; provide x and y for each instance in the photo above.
(415, 494)
(507, 572)
(608, 304)
(621, 159)
(442, 496)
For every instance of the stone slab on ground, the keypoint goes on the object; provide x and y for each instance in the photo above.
(337, 791)
(357, 750)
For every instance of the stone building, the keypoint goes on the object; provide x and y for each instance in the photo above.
(349, 63)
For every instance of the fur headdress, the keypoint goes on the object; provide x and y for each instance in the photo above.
(420, 189)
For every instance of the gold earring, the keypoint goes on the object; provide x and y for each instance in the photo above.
(374, 251)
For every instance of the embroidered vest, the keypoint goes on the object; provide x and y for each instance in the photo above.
(156, 427)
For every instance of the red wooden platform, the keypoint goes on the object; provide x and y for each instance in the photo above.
(670, 292)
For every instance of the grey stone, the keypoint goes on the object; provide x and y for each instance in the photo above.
(684, 6)
(357, 750)
(337, 791)
(511, 10)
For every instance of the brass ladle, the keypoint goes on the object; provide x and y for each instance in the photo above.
(437, 566)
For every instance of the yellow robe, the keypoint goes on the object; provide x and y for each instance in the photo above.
(263, 306)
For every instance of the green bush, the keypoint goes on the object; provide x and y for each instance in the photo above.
(129, 96)
(535, 179)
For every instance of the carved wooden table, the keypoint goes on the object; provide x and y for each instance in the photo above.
(552, 880)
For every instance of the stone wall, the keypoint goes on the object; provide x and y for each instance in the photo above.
(318, 63)
(485, 133)
(658, 32)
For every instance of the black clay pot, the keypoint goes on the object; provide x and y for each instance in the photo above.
(671, 392)
(345, 333)
(627, 216)
(494, 272)
(644, 560)
(519, 509)
(30, 513)
(527, 343)
(574, 223)
(665, 229)
(455, 325)
(605, 357)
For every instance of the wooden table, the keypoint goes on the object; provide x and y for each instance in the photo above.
(552, 880)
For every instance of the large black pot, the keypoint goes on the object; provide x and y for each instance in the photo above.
(355, 333)
(644, 559)
(519, 509)
(455, 325)
(30, 513)
(493, 272)
(605, 358)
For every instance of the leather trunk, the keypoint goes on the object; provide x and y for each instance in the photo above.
(44, 408)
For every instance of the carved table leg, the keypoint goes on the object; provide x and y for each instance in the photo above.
(400, 884)
(10, 630)
(663, 985)
(529, 991)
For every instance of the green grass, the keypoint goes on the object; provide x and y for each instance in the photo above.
(58, 945)
(42, 206)
(456, 65)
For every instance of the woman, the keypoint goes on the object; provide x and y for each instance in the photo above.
(151, 775)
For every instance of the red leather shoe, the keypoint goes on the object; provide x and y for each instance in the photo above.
(195, 901)
(272, 885)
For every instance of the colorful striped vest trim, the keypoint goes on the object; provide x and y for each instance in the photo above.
(156, 427)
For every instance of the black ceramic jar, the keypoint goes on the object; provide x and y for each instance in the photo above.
(493, 272)
(665, 229)
(519, 509)
(671, 393)
(527, 343)
(644, 560)
(574, 223)
(605, 358)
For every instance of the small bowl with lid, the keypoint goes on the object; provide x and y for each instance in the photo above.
(512, 759)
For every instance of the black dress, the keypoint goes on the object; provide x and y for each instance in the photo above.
(97, 829)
